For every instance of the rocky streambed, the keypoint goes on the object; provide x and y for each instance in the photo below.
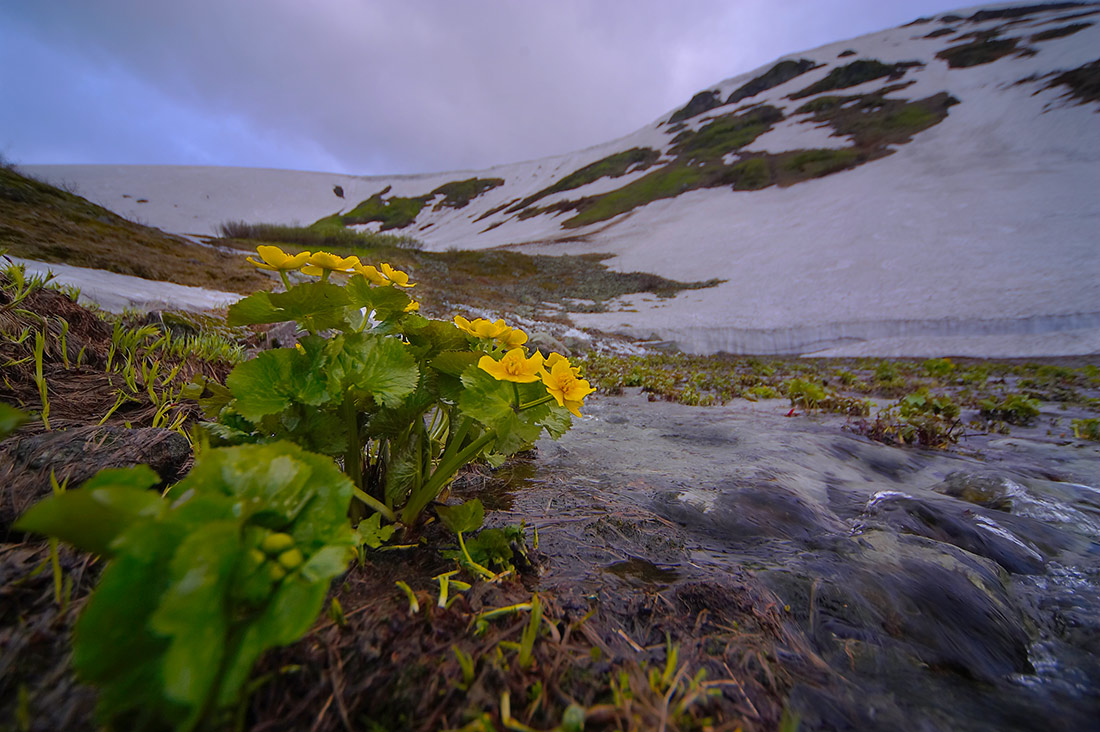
(927, 589)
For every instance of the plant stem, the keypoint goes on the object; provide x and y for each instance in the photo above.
(353, 453)
(447, 468)
(537, 402)
(374, 503)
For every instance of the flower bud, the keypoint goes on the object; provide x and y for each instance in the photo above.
(277, 543)
(291, 558)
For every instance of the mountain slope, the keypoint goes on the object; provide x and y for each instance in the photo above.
(936, 180)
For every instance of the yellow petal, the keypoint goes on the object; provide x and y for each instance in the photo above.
(372, 274)
(396, 276)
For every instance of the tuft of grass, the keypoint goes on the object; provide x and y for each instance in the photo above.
(328, 233)
(781, 73)
(855, 73)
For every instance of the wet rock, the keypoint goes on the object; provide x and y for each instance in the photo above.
(956, 524)
(76, 455)
(991, 491)
(884, 605)
(741, 514)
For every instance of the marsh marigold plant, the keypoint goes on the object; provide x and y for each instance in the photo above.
(400, 400)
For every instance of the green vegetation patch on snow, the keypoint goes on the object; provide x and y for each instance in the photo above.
(395, 212)
(1062, 32)
(459, 193)
(781, 73)
(855, 73)
(704, 101)
(1083, 82)
(872, 120)
(725, 134)
(984, 50)
(613, 166)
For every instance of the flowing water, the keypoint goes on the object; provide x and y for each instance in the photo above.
(947, 590)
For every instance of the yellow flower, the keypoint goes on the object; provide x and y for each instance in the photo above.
(396, 276)
(412, 307)
(511, 337)
(482, 328)
(555, 357)
(321, 262)
(276, 260)
(515, 366)
(372, 274)
(562, 383)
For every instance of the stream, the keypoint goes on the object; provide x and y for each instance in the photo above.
(945, 590)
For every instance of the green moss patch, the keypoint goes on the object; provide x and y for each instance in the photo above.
(1062, 32)
(459, 193)
(781, 73)
(394, 212)
(976, 53)
(613, 166)
(855, 73)
(704, 101)
(1083, 83)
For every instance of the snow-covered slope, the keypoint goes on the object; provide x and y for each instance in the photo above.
(933, 188)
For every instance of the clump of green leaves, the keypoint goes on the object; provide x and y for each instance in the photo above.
(1086, 429)
(1014, 409)
(235, 560)
(401, 399)
(919, 418)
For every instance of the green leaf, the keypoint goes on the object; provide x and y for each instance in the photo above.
(491, 402)
(431, 337)
(371, 533)
(386, 302)
(323, 303)
(193, 613)
(463, 517)
(10, 419)
(376, 365)
(453, 363)
(273, 380)
(94, 515)
(113, 647)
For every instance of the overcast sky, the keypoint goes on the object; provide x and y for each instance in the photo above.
(380, 86)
